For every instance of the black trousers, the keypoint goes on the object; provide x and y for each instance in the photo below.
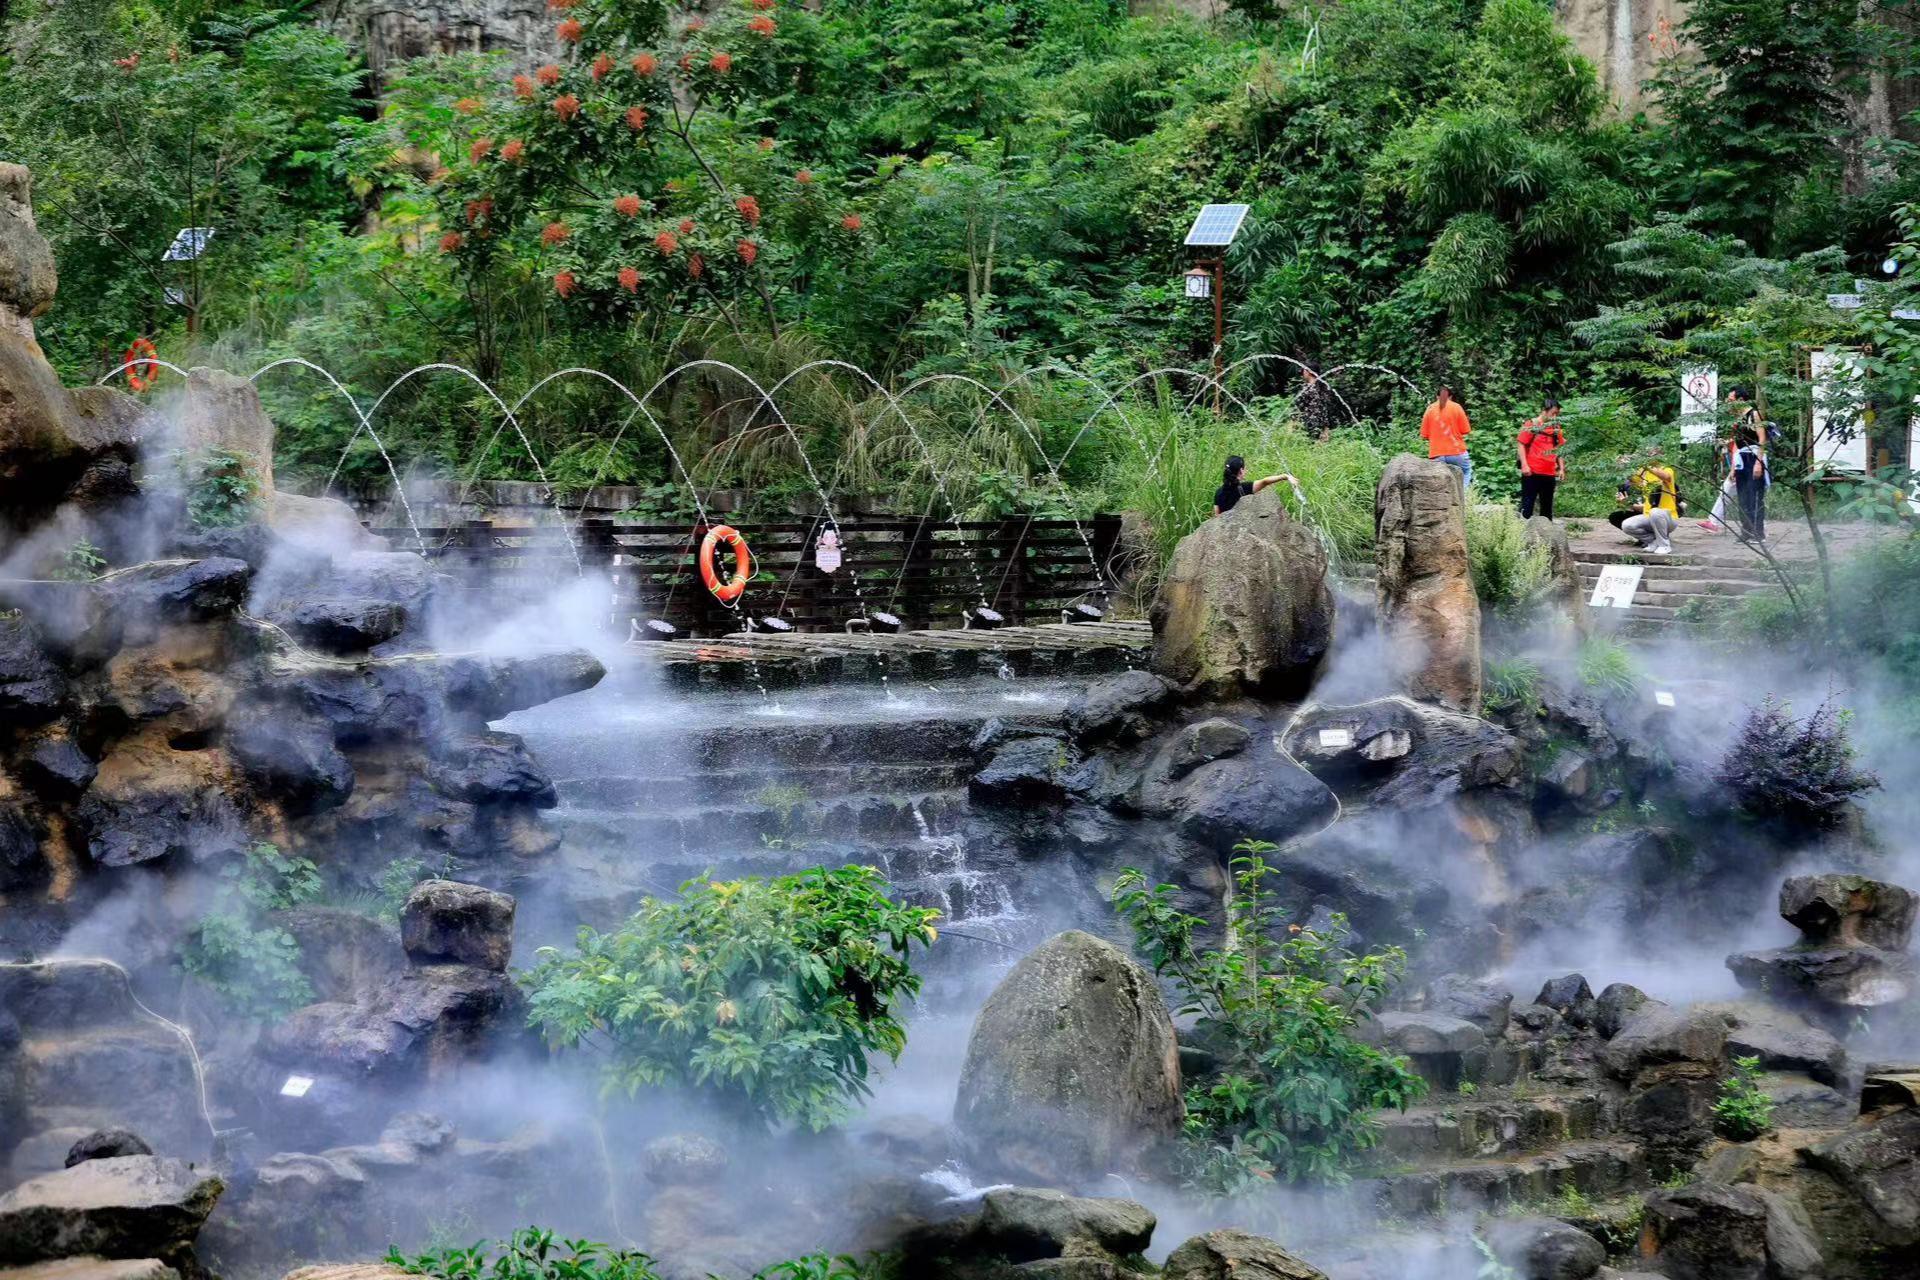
(1537, 489)
(1752, 496)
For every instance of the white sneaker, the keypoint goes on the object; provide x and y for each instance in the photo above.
(1663, 551)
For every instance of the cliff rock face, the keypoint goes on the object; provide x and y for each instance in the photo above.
(390, 33)
(1622, 39)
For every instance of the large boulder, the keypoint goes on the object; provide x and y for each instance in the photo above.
(119, 1207)
(1849, 910)
(1121, 707)
(27, 279)
(1244, 606)
(1072, 1071)
(1428, 608)
(1565, 593)
(221, 411)
(1411, 753)
(1235, 1255)
(1781, 1040)
(349, 603)
(1257, 795)
(1706, 1231)
(1880, 1165)
(446, 921)
(1544, 1248)
(1028, 1222)
(151, 802)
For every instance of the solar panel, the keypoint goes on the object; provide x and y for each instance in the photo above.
(1217, 225)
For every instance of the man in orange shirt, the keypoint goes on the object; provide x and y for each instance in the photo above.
(1444, 427)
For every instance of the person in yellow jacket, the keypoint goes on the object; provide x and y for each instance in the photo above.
(1658, 484)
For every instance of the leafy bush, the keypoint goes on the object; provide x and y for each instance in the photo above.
(82, 562)
(1607, 668)
(222, 489)
(1508, 570)
(1801, 772)
(1743, 1111)
(769, 993)
(1295, 1088)
(534, 1254)
(1511, 684)
(252, 964)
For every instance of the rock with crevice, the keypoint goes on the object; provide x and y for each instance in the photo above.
(445, 921)
(1428, 608)
(1231, 1254)
(117, 1207)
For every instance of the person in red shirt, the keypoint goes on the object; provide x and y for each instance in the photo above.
(1444, 427)
(1541, 466)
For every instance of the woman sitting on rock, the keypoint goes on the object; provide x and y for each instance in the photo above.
(1234, 487)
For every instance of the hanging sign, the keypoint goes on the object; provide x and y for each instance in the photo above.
(826, 554)
(1699, 397)
(1616, 586)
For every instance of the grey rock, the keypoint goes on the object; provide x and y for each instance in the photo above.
(1568, 996)
(1801, 1102)
(33, 689)
(1119, 708)
(290, 757)
(1203, 743)
(1072, 1070)
(1566, 592)
(1615, 1005)
(1879, 1164)
(419, 1131)
(220, 411)
(55, 765)
(102, 1143)
(1428, 608)
(1849, 910)
(89, 1267)
(1235, 1255)
(1258, 795)
(1244, 605)
(1424, 1034)
(345, 955)
(1827, 977)
(1418, 754)
(351, 603)
(1656, 1035)
(1705, 1231)
(1024, 773)
(1544, 1248)
(428, 1021)
(1483, 1004)
(1792, 1251)
(27, 276)
(1025, 1223)
(490, 768)
(1783, 1041)
(117, 1207)
(684, 1160)
(177, 590)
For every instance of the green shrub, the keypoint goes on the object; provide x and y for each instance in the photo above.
(770, 994)
(535, 1254)
(1607, 668)
(1508, 570)
(1743, 1111)
(82, 562)
(251, 963)
(1511, 684)
(1295, 1088)
(222, 489)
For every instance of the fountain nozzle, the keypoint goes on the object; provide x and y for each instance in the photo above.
(651, 629)
(982, 618)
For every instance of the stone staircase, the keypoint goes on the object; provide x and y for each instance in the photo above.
(1677, 592)
(1500, 1149)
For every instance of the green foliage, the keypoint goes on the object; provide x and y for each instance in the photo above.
(251, 963)
(769, 994)
(222, 488)
(533, 1253)
(1508, 569)
(1607, 667)
(1295, 1090)
(1511, 684)
(1743, 1110)
(81, 562)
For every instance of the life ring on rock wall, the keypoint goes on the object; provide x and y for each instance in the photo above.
(142, 352)
(729, 591)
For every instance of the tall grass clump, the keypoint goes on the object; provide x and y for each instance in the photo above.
(1508, 570)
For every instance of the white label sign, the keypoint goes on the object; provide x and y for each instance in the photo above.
(1699, 395)
(826, 555)
(296, 1086)
(1617, 584)
(1336, 737)
(1662, 698)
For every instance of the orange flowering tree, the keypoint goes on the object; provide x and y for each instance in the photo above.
(605, 170)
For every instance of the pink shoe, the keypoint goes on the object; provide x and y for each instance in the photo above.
(1710, 525)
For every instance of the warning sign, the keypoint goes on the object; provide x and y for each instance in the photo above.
(1616, 586)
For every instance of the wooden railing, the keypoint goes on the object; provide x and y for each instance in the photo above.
(924, 571)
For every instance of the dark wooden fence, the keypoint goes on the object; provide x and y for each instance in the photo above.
(924, 571)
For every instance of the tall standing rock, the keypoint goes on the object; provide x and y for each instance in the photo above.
(1244, 606)
(1072, 1071)
(1427, 604)
(27, 279)
(1564, 594)
(222, 410)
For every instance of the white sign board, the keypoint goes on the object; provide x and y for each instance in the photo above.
(1616, 586)
(1699, 397)
(296, 1086)
(1839, 434)
(1662, 698)
(1336, 737)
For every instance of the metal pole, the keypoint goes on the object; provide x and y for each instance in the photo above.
(1219, 332)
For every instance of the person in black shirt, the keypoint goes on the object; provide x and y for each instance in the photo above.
(1234, 486)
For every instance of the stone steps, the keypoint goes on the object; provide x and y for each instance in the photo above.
(671, 789)
(1596, 1168)
(652, 833)
(1480, 1129)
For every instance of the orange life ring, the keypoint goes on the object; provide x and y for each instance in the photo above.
(729, 591)
(141, 352)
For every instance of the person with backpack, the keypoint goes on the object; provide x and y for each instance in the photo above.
(1750, 482)
(1541, 466)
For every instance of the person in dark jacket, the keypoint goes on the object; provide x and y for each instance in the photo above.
(1750, 484)
(1234, 485)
